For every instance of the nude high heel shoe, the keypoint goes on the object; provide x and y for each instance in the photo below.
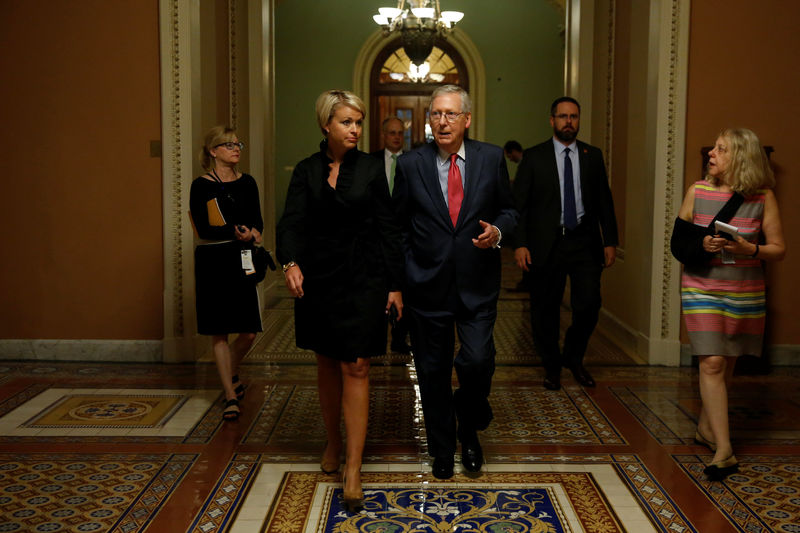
(353, 501)
(329, 466)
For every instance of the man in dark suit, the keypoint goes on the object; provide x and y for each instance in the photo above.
(567, 229)
(455, 204)
(392, 131)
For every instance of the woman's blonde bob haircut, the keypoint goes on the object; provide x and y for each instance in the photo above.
(328, 101)
(214, 137)
(748, 169)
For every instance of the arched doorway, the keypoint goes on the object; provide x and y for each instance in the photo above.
(398, 88)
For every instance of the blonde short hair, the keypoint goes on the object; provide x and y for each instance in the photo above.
(328, 101)
(748, 167)
(214, 137)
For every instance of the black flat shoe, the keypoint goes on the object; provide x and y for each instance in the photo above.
(722, 469)
(231, 412)
(442, 467)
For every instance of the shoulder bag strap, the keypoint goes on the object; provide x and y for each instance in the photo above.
(728, 210)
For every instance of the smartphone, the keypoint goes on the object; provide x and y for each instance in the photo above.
(393, 315)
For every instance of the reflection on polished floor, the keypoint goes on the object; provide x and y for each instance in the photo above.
(134, 447)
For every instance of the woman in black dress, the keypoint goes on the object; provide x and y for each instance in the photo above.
(227, 217)
(340, 247)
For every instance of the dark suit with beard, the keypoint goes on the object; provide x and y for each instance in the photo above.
(558, 253)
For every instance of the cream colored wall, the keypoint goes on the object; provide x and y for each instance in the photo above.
(81, 215)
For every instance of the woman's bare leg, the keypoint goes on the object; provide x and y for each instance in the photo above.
(355, 404)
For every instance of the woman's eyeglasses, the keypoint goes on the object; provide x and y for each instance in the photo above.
(231, 145)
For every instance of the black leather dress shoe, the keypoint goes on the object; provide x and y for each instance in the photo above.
(552, 381)
(583, 377)
(471, 451)
(442, 467)
(401, 347)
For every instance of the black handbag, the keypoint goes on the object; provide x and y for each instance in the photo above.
(686, 243)
(262, 260)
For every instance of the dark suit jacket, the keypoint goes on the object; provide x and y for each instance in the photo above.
(437, 253)
(538, 196)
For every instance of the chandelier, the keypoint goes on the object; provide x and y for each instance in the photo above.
(419, 24)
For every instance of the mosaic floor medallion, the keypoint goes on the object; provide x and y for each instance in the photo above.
(500, 503)
(95, 410)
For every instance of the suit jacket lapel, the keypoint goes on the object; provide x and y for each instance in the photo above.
(427, 167)
(583, 161)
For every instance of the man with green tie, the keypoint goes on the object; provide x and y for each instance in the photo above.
(393, 138)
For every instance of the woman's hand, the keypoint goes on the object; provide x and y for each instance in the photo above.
(714, 243)
(294, 281)
(740, 246)
(256, 235)
(395, 298)
(243, 233)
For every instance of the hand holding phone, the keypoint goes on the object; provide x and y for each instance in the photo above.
(393, 315)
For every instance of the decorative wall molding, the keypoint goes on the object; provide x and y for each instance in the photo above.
(105, 350)
(178, 23)
(610, 74)
(232, 79)
(668, 57)
(673, 182)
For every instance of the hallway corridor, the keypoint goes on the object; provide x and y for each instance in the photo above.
(142, 447)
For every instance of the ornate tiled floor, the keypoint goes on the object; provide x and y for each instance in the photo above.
(132, 448)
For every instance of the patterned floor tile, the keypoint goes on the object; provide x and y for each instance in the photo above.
(523, 415)
(764, 495)
(97, 492)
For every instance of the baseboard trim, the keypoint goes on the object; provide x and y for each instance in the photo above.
(134, 351)
(629, 340)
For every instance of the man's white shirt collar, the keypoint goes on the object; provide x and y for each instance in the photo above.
(559, 146)
(444, 157)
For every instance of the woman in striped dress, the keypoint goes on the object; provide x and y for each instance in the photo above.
(723, 301)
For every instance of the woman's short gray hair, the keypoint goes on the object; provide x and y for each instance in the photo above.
(466, 103)
(328, 101)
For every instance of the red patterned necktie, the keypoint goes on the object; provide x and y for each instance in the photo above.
(455, 190)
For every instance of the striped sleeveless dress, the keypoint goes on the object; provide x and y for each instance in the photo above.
(724, 306)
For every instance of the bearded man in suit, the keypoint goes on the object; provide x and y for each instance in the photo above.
(567, 229)
(454, 201)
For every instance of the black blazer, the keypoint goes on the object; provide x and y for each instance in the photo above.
(362, 242)
(538, 196)
(436, 253)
